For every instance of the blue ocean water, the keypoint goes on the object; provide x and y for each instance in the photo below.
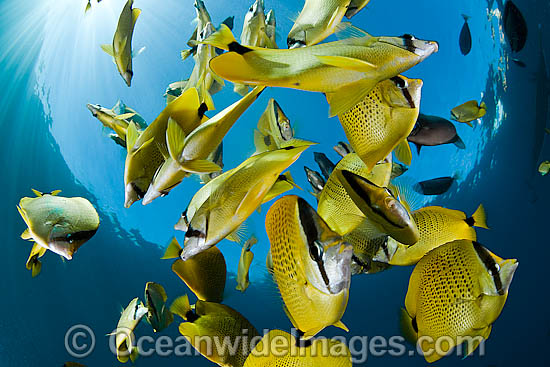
(51, 66)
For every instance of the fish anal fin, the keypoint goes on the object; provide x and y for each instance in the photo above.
(341, 325)
(200, 166)
(135, 15)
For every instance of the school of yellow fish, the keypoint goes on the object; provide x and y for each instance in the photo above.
(364, 221)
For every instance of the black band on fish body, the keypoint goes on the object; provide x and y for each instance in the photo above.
(414, 324)
(490, 265)
(366, 266)
(202, 109)
(408, 42)
(291, 42)
(238, 48)
(190, 316)
(470, 221)
(298, 336)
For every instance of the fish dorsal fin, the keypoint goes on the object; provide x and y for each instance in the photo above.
(175, 137)
(135, 15)
(346, 97)
(345, 31)
(108, 49)
(37, 193)
(55, 192)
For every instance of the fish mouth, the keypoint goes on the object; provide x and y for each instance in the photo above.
(127, 76)
(150, 195)
(94, 109)
(132, 194)
(421, 48)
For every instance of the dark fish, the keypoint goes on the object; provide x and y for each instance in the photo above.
(316, 181)
(433, 130)
(465, 39)
(324, 163)
(518, 62)
(515, 27)
(343, 148)
(435, 186)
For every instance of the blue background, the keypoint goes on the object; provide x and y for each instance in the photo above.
(51, 66)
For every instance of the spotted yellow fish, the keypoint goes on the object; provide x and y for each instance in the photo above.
(336, 206)
(204, 274)
(469, 111)
(221, 324)
(280, 349)
(382, 120)
(457, 290)
(311, 265)
(437, 226)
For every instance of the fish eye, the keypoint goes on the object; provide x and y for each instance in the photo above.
(69, 238)
(251, 9)
(408, 37)
(400, 82)
(316, 251)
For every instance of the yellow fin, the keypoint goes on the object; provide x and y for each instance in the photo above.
(131, 136)
(26, 235)
(108, 49)
(173, 250)
(341, 325)
(175, 137)
(135, 351)
(349, 63)
(483, 106)
(480, 217)
(403, 152)
(345, 98)
(290, 180)
(238, 234)
(221, 39)
(36, 268)
(406, 326)
(55, 192)
(200, 166)
(37, 193)
(135, 15)
(181, 306)
(125, 116)
(186, 53)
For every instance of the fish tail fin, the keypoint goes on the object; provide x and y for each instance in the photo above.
(406, 326)
(173, 250)
(479, 218)
(466, 17)
(223, 39)
(238, 234)
(181, 306)
(483, 106)
(403, 152)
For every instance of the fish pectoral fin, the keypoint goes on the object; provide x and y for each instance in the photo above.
(345, 98)
(125, 116)
(108, 49)
(26, 235)
(173, 250)
(135, 15)
(252, 195)
(175, 138)
(348, 63)
(199, 166)
(403, 152)
(238, 234)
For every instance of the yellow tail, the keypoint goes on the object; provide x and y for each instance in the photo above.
(173, 250)
(181, 306)
(221, 39)
(480, 218)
